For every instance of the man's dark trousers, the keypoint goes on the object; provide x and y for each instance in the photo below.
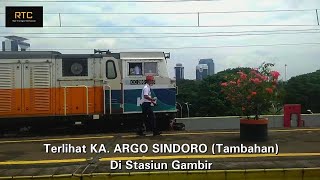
(149, 116)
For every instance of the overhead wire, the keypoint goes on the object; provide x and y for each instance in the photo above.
(188, 26)
(190, 47)
(147, 37)
(182, 26)
(209, 32)
(109, 1)
(204, 12)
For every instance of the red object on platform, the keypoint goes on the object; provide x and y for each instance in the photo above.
(290, 109)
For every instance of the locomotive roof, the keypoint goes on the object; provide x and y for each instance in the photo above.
(142, 55)
(71, 56)
(50, 54)
(28, 54)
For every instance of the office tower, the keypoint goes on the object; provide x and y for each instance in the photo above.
(202, 71)
(12, 43)
(179, 71)
(210, 64)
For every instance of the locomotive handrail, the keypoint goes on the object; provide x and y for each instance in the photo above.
(65, 97)
(104, 99)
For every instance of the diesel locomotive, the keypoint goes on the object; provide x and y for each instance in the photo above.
(42, 88)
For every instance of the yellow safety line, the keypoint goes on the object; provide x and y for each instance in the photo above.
(130, 136)
(60, 139)
(221, 156)
(293, 130)
(43, 161)
(225, 132)
(203, 156)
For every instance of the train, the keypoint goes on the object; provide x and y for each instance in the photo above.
(43, 88)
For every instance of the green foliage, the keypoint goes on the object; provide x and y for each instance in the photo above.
(206, 98)
(304, 90)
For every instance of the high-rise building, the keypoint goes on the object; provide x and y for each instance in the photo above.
(179, 71)
(12, 43)
(202, 71)
(210, 64)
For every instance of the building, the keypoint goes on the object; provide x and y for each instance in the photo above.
(210, 64)
(14, 43)
(179, 71)
(202, 71)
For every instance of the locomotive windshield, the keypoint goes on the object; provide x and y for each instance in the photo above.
(111, 72)
(135, 68)
(142, 68)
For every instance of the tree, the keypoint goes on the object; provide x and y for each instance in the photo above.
(188, 92)
(205, 96)
(305, 90)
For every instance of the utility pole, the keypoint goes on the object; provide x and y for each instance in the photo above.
(285, 72)
(198, 19)
(317, 16)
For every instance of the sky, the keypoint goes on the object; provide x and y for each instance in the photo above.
(300, 59)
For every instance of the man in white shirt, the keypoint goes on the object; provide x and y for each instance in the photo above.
(146, 101)
(137, 70)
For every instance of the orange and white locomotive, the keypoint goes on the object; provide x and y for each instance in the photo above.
(38, 87)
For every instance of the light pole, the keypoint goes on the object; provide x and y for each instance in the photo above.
(180, 108)
(187, 107)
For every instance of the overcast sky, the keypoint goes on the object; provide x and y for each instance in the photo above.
(300, 59)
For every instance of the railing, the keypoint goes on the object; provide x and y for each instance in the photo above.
(65, 97)
(104, 99)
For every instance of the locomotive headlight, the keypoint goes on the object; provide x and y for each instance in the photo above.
(76, 68)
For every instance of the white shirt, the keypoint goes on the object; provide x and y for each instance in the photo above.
(145, 91)
(137, 70)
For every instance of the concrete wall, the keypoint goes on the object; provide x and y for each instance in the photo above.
(232, 122)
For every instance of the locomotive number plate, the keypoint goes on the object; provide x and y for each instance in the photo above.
(138, 82)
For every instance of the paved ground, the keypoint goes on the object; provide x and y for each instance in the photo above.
(297, 148)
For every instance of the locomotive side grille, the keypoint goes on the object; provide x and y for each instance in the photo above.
(6, 75)
(7, 87)
(41, 76)
(40, 84)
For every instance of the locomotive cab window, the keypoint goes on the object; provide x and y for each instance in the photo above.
(150, 68)
(111, 70)
(135, 69)
(74, 67)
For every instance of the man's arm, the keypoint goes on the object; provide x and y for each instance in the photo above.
(146, 96)
(149, 98)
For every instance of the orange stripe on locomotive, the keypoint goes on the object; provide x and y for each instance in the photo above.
(35, 84)
(50, 101)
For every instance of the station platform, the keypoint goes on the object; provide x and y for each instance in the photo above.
(298, 156)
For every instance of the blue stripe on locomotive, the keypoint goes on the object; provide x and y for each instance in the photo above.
(166, 100)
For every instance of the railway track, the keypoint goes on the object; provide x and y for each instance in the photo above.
(73, 129)
(62, 129)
